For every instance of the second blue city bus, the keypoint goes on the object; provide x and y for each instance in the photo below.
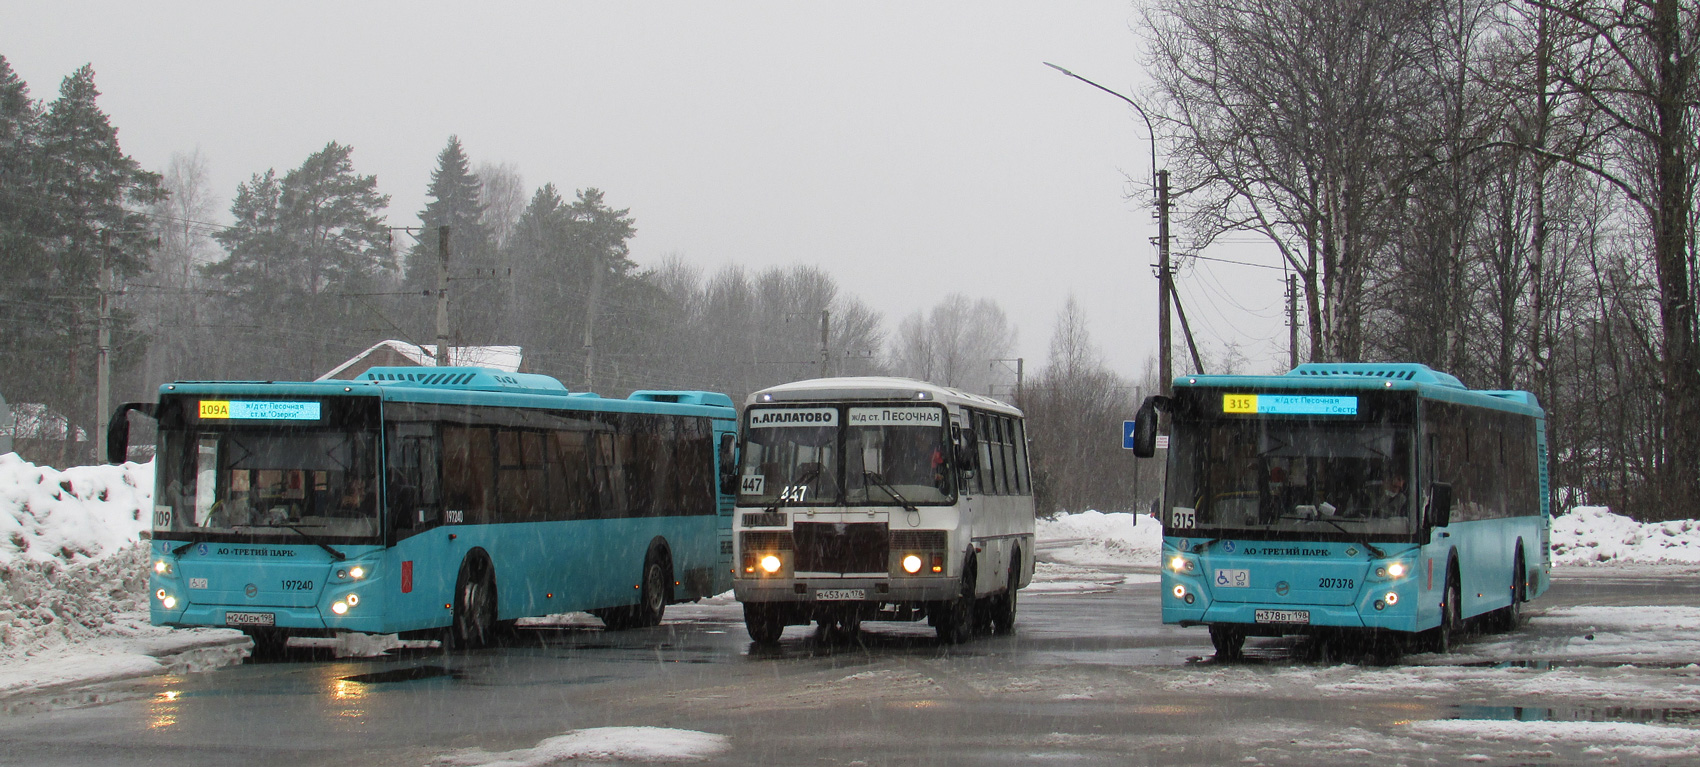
(431, 502)
(1379, 498)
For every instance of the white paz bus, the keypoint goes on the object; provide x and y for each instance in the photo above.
(881, 499)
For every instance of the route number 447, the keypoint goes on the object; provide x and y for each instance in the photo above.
(794, 493)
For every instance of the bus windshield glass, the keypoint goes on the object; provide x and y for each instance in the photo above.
(790, 457)
(1291, 476)
(894, 455)
(318, 484)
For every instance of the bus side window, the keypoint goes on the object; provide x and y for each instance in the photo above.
(1023, 482)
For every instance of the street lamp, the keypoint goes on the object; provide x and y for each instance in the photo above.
(1160, 185)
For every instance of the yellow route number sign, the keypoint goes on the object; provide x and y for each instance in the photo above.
(1231, 403)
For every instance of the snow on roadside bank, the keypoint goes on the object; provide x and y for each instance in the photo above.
(1586, 536)
(80, 514)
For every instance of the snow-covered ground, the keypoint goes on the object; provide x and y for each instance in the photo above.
(73, 610)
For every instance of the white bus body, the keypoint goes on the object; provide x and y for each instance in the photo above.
(881, 499)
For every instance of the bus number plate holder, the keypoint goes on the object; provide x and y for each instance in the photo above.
(840, 595)
(250, 619)
(1282, 616)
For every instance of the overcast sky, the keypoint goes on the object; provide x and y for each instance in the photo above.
(910, 149)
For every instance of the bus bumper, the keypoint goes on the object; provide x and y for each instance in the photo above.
(1398, 617)
(877, 589)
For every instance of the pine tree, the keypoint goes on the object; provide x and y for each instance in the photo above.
(479, 298)
(78, 206)
(303, 252)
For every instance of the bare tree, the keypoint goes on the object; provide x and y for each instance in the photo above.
(504, 195)
(954, 343)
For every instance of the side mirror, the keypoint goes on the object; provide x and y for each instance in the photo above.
(1440, 504)
(1145, 425)
(118, 430)
(728, 464)
(967, 450)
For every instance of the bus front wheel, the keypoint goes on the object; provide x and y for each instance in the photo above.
(1442, 638)
(954, 620)
(1229, 642)
(764, 623)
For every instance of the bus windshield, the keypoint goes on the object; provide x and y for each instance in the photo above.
(891, 456)
(1291, 476)
(319, 485)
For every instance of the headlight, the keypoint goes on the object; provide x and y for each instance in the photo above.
(162, 567)
(357, 572)
(911, 564)
(1396, 570)
(771, 564)
(1180, 564)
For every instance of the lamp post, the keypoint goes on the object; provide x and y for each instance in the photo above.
(1160, 185)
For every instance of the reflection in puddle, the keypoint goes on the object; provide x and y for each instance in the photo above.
(1549, 665)
(409, 674)
(1631, 714)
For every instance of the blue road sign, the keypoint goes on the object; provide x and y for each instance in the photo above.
(1127, 435)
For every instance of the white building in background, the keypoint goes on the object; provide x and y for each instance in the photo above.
(403, 354)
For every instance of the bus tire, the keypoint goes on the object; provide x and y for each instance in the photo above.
(269, 644)
(475, 606)
(1512, 616)
(1003, 612)
(955, 618)
(1443, 638)
(764, 622)
(652, 597)
(1229, 641)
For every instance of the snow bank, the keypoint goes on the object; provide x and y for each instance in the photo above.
(637, 744)
(1095, 538)
(1585, 536)
(80, 514)
(1593, 535)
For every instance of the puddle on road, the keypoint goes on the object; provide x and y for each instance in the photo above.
(1549, 665)
(409, 674)
(1629, 714)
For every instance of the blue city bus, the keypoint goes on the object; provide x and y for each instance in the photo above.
(431, 503)
(1384, 499)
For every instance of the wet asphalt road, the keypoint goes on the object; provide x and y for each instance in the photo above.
(1089, 678)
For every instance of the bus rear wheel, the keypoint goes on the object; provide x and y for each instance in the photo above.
(1512, 615)
(1229, 642)
(1003, 612)
(652, 601)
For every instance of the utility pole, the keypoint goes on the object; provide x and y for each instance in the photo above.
(443, 296)
(1292, 321)
(103, 350)
(1165, 364)
(825, 350)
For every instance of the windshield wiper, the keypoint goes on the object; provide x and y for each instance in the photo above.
(337, 555)
(1379, 554)
(879, 481)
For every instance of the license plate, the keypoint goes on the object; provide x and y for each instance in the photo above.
(840, 595)
(250, 619)
(1283, 616)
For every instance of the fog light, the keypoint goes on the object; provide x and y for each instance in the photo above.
(771, 564)
(1391, 598)
(170, 603)
(1180, 592)
(357, 572)
(339, 608)
(353, 599)
(911, 564)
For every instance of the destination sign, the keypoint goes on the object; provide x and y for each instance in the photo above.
(896, 416)
(259, 410)
(793, 416)
(1289, 404)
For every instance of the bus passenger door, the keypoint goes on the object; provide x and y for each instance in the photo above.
(725, 495)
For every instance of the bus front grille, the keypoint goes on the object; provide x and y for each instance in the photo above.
(841, 547)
